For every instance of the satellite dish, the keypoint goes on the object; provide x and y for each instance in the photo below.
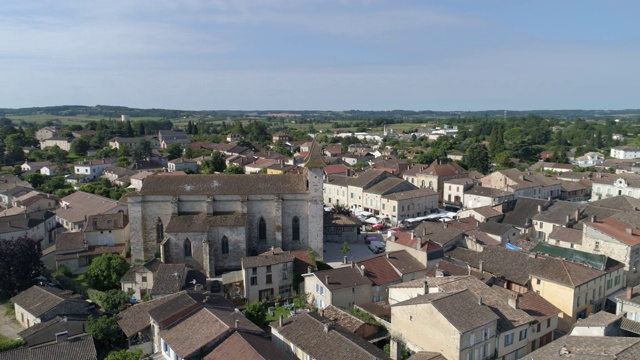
(193, 281)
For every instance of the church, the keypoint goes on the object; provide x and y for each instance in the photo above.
(210, 222)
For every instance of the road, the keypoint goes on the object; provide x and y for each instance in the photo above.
(9, 327)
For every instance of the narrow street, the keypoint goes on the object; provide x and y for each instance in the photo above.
(9, 327)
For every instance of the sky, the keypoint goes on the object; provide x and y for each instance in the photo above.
(321, 54)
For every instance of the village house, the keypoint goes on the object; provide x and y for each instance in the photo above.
(63, 143)
(75, 208)
(615, 185)
(267, 275)
(47, 132)
(39, 304)
(527, 184)
(625, 152)
(93, 169)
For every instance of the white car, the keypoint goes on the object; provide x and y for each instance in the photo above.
(377, 247)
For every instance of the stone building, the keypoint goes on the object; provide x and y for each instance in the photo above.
(210, 222)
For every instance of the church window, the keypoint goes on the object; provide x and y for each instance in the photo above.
(295, 229)
(262, 230)
(187, 247)
(159, 230)
(225, 245)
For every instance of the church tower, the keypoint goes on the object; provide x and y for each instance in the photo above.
(314, 165)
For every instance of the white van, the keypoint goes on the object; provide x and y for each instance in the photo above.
(377, 247)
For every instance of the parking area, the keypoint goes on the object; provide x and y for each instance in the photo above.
(359, 251)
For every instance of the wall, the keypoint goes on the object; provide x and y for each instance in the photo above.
(24, 318)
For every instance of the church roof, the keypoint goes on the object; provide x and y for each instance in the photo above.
(202, 222)
(224, 184)
(314, 160)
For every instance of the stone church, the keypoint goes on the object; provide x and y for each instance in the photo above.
(210, 222)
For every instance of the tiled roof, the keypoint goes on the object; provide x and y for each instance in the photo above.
(225, 184)
(202, 327)
(277, 256)
(536, 306)
(601, 318)
(495, 228)
(336, 169)
(426, 355)
(405, 238)
(439, 233)
(482, 238)
(103, 222)
(465, 224)
(630, 325)
(508, 317)
(404, 262)
(390, 185)
(369, 178)
(68, 241)
(202, 222)
(448, 268)
(79, 347)
(511, 265)
(461, 308)
(590, 348)
(379, 270)
(343, 318)
(617, 230)
(21, 222)
(525, 209)
(558, 211)
(246, 346)
(307, 332)
(165, 280)
(342, 278)
(82, 204)
(478, 190)
(38, 300)
(444, 170)
(314, 160)
(621, 202)
(570, 235)
(566, 272)
(94, 250)
(136, 318)
(410, 194)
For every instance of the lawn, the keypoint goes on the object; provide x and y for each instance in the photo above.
(277, 312)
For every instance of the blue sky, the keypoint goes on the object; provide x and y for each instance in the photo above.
(321, 55)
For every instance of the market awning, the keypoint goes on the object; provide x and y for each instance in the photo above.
(371, 220)
(232, 277)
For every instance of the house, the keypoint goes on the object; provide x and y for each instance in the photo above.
(479, 196)
(340, 228)
(628, 304)
(482, 214)
(47, 132)
(349, 322)
(458, 324)
(130, 142)
(182, 164)
(575, 190)
(523, 184)
(454, 190)
(615, 185)
(233, 137)
(310, 336)
(503, 233)
(51, 170)
(443, 234)
(35, 201)
(565, 237)
(154, 279)
(168, 137)
(557, 214)
(34, 166)
(93, 169)
(398, 206)
(39, 304)
(63, 347)
(10, 185)
(617, 238)
(437, 173)
(577, 290)
(422, 249)
(589, 159)
(138, 179)
(49, 330)
(63, 143)
(38, 226)
(247, 346)
(83, 133)
(625, 152)
(584, 347)
(76, 207)
(280, 136)
(345, 287)
(522, 213)
(268, 275)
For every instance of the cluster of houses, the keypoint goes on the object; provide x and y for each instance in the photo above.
(526, 264)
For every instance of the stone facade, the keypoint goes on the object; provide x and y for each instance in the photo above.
(210, 222)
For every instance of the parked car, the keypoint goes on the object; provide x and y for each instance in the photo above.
(369, 238)
(377, 247)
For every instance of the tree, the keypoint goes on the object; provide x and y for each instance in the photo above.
(345, 248)
(503, 161)
(123, 161)
(234, 169)
(174, 151)
(105, 271)
(478, 158)
(125, 355)
(105, 330)
(35, 179)
(79, 146)
(142, 151)
(20, 265)
(114, 299)
(215, 164)
(255, 313)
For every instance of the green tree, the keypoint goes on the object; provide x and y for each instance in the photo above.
(55, 183)
(125, 355)
(503, 161)
(174, 151)
(79, 146)
(114, 299)
(104, 272)
(20, 265)
(345, 248)
(215, 164)
(142, 151)
(478, 158)
(105, 331)
(234, 169)
(35, 179)
(496, 140)
(256, 313)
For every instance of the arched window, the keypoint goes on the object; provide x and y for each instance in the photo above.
(187, 247)
(159, 230)
(225, 245)
(262, 230)
(295, 229)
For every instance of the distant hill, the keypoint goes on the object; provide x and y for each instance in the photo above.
(116, 111)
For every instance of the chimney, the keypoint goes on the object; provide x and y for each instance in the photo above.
(514, 301)
(321, 312)
(594, 218)
(326, 280)
(629, 292)
(568, 219)
(480, 267)
(426, 288)
(411, 234)
(309, 269)
(480, 301)
(281, 320)
(424, 231)
(539, 208)
(445, 225)
(236, 323)
(418, 243)
(344, 259)
(353, 263)
(328, 326)
(62, 336)
(628, 230)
